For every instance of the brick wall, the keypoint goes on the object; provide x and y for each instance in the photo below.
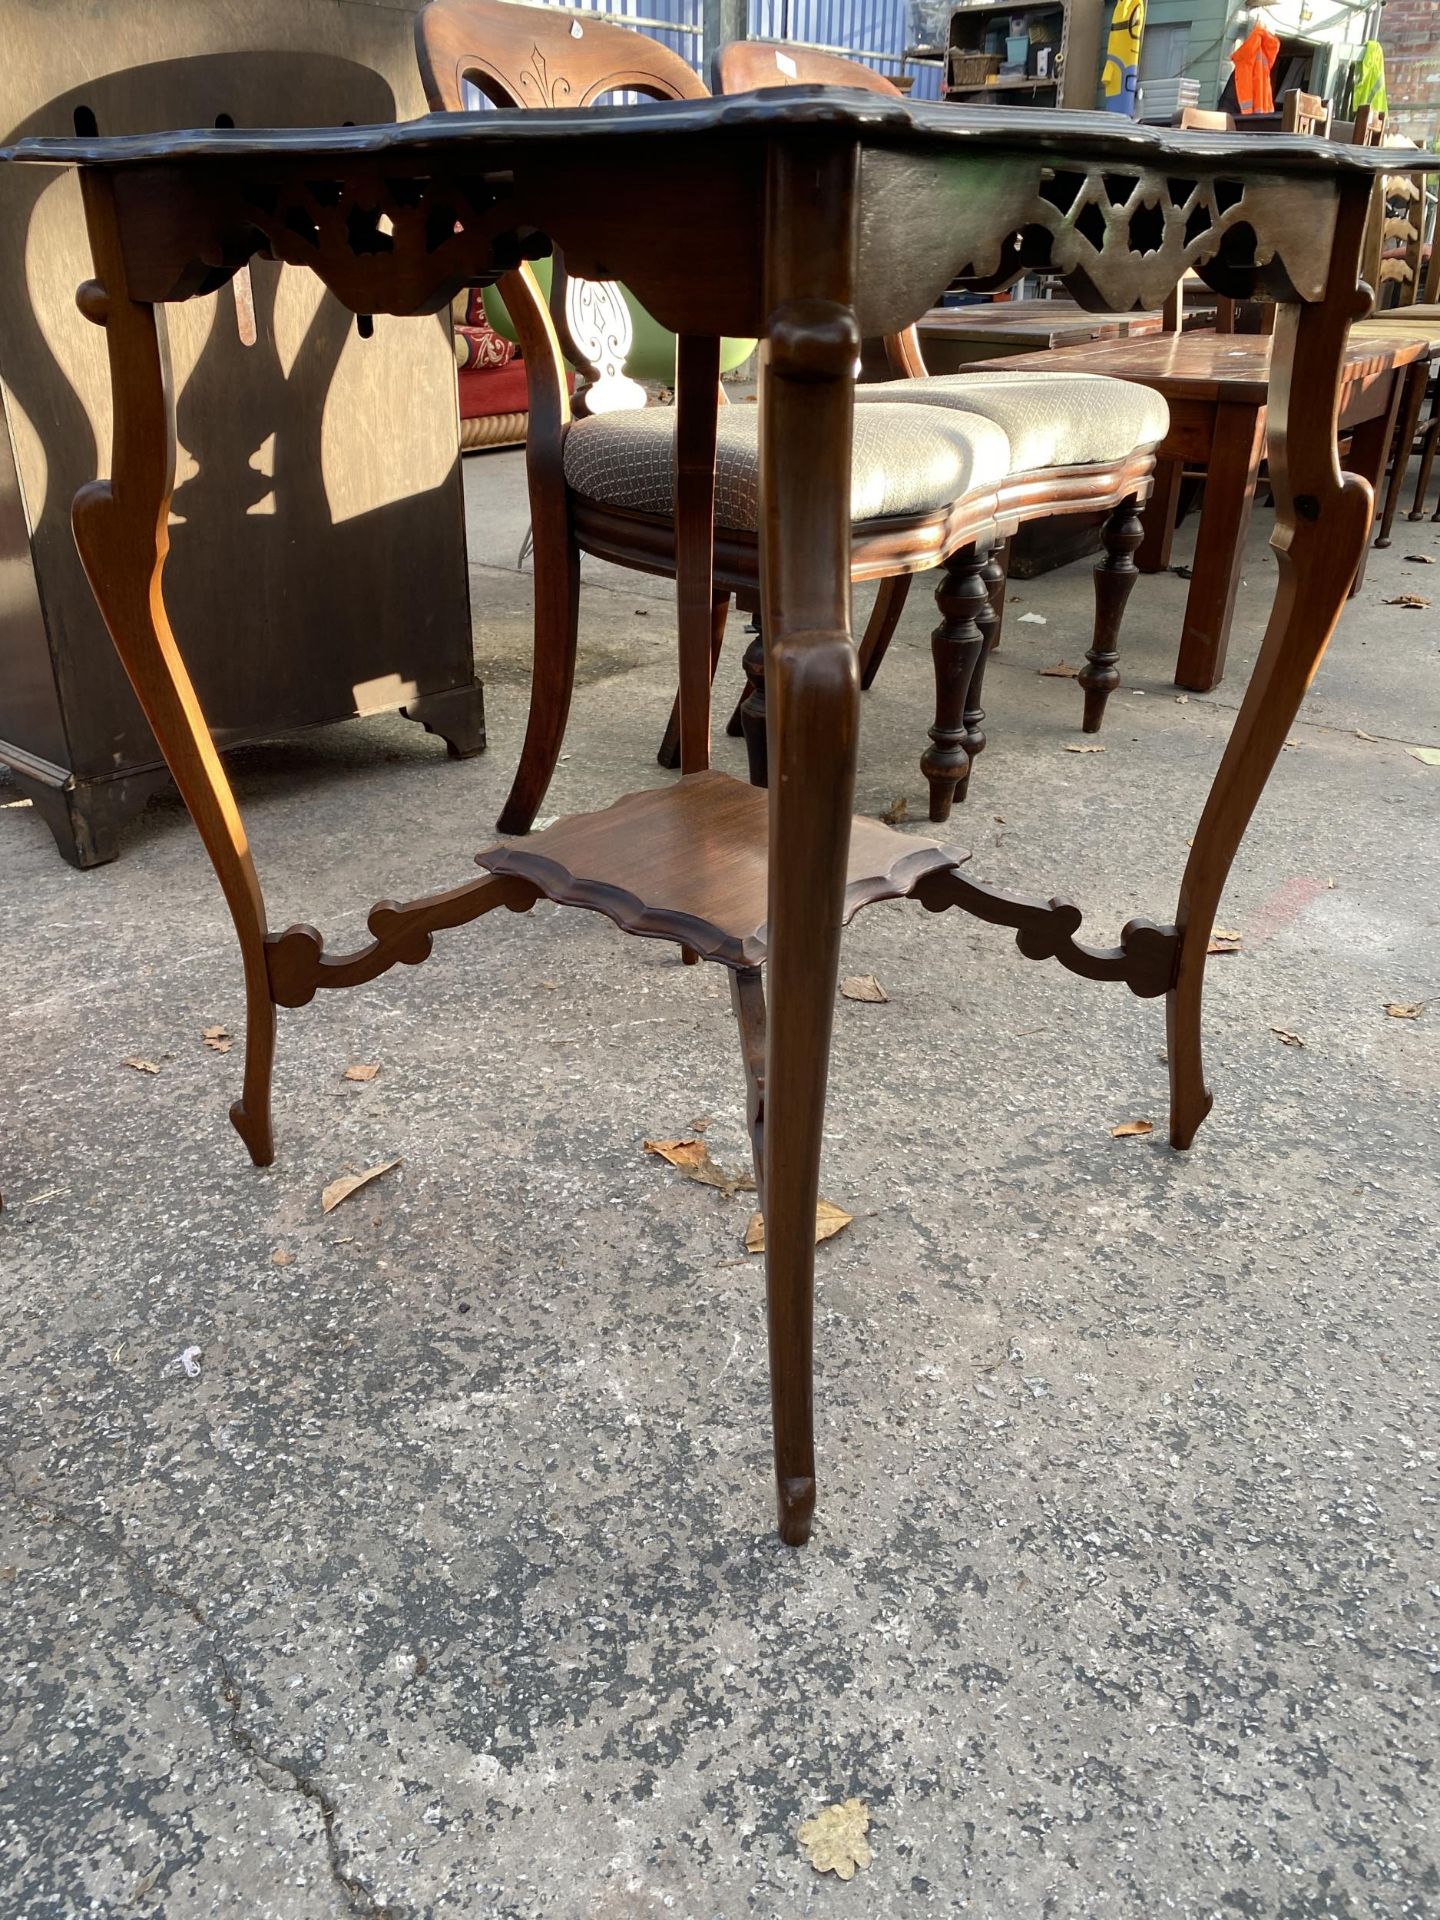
(1410, 35)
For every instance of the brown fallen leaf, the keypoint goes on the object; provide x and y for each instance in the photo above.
(1421, 559)
(1132, 1129)
(692, 1158)
(1225, 940)
(834, 1841)
(1090, 746)
(1416, 600)
(1405, 1009)
(349, 1183)
(863, 986)
(1290, 744)
(1290, 1039)
(829, 1220)
(896, 811)
(1060, 671)
(280, 1258)
(141, 1066)
(217, 1039)
(360, 1073)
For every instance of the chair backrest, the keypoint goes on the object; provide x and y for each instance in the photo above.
(539, 57)
(750, 66)
(1204, 120)
(1305, 113)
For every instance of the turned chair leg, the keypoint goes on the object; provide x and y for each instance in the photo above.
(1114, 577)
(751, 711)
(669, 753)
(957, 645)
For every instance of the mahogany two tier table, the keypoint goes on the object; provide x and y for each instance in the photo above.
(809, 219)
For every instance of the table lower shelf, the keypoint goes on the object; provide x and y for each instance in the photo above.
(690, 863)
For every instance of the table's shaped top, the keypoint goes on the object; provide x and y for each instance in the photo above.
(873, 120)
(672, 198)
(1205, 366)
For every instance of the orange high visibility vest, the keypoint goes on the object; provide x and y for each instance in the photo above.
(1252, 61)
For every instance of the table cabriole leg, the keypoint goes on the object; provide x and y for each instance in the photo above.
(806, 418)
(556, 562)
(122, 532)
(1322, 520)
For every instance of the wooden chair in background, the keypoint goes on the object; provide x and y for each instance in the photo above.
(938, 484)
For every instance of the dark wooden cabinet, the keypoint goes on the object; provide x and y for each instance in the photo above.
(321, 466)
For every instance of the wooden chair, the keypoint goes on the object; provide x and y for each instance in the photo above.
(1049, 427)
(932, 485)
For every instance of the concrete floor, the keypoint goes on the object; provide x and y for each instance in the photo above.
(447, 1585)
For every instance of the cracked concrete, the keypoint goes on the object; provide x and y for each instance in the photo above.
(447, 1587)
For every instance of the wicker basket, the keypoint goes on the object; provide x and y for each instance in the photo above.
(971, 69)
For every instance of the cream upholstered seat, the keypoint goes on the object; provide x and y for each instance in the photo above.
(906, 462)
(1050, 419)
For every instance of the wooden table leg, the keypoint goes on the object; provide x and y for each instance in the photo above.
(813, 696)
(1369, 445)
(1417, 379)
(556, 563)
(1158, 536)
(1234, 462)
(1321, 521)
(122, 531)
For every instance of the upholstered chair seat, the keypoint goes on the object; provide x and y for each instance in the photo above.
(906, 461)
(1050, 419)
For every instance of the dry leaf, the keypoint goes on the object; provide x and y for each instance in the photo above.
(1405, 1009)
(141, 1066)
(1291, 744)
(1360, 734)
(217, 1039)
(692, 1158)
(863, 986)
(834, 1841)
(896, 811)
(1060, 671)
(1427, 756)
(829, 1220)
(280, 1258)
(360, 1073)
(1131, 1129)
(1416, 600)
(349, 1183)
(1421, 559)
(1225, 940)
(1290, 1039)
(1090, 746)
